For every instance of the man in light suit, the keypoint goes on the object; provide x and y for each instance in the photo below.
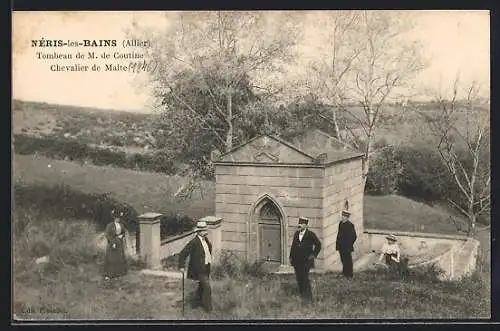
(199, 250)
(305, 248)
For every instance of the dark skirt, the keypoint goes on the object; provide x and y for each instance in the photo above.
(389, 261)
(115, 263)
(393, 265)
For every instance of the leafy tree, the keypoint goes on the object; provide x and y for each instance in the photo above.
(210, 64)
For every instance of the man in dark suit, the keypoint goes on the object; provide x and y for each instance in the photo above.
(199, 250)
(305, 248)
(345, 243)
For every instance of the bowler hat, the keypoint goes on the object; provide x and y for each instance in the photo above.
(303, 220)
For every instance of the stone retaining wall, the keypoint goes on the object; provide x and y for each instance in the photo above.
(455, 255)
(174, 245)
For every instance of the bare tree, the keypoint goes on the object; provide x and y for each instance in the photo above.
(386, 66)
(337, 57)
(369, 59)
(462, 131)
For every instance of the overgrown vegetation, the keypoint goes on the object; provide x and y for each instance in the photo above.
(89, 125)
(240, 290)
(416, 172)
(231, 266)
(63, 202)
(76, 150)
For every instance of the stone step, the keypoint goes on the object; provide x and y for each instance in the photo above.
(163, 273)
(288, 270)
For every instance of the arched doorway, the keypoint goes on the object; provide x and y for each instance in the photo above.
(269, 233)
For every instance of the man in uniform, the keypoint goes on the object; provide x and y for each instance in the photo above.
(305, 248)
(346, 237)
(199, 250)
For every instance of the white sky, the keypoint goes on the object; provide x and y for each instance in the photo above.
(454, 41)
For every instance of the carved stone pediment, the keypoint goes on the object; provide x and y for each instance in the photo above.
(321, 158)
(265, 149)
(266, 157)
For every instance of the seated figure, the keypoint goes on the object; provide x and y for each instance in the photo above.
(391, 253)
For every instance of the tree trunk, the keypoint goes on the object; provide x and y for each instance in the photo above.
(368, 151)
(364, 170)
(472, 219)
(335, 124)
(229, 120)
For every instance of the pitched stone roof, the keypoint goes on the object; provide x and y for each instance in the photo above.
(324, 147)
(312, 147)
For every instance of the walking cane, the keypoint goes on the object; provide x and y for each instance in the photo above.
(182, 293)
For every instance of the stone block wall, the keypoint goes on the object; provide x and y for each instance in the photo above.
(412, 243)
(455, 255)
(343, 181)
(297, 190)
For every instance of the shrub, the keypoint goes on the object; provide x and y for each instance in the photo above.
(385, 171)
(428, 273)
(62, 148)
(227, 265)
(115, 141)
(65, 242)
(101, 156)
(253, 269)
(231, 266)
(158, 162)
(416, 172)
(63, 202)
(171, 225)
(424, 175)
(102, 212)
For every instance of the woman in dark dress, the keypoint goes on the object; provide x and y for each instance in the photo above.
(115, 263)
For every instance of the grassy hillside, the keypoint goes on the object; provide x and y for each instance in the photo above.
(155, 192)
(142, 190)
(398, 213)
(130, 131)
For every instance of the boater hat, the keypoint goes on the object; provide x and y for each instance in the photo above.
(303, 220)
(391, 237)
(201, 225)
(346, 213)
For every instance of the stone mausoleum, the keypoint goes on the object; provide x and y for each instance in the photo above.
(265, 184)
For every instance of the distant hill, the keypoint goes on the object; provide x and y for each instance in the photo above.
(104, 127)
(133, 132)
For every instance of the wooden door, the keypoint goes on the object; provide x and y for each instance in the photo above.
(270, 233)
